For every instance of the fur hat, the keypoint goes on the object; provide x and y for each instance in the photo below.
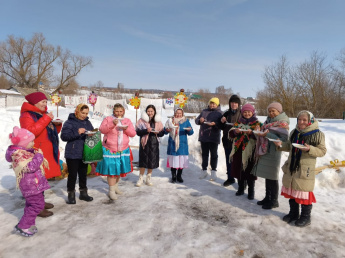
(276, 105)
(215, 101)
(21, 136)
(35, 97)
(236, 99)
(248, 107)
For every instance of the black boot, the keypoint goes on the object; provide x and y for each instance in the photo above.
(293, 213)
(274, 189)
(251, 191)
(179, 175)
(71, 197)
(229, 181)
(304, 219)
(268, 194)
(84, 196)
(240, 190)
(173, 175)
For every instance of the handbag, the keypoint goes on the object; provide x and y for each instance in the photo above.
(93, 151)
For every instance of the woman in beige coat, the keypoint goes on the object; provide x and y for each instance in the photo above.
(306, 143)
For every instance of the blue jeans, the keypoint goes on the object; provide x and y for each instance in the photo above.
(227, 160)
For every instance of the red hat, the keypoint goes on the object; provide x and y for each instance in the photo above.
(35, 97)
(247, 107)
(21, 136)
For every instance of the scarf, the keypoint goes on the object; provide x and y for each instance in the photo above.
(52, 135)
(142, 124)
(119, 134)
(21, 158)
(310, 138)
(78, 110)
(248, 144)
(175, 131)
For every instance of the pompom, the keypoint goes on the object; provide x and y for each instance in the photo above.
(15, 140)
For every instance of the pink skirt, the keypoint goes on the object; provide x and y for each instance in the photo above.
(300, 197)
(177, 161)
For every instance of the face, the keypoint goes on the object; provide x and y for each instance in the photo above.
(212, 105)
(150, 112)
(119, 112)
(302, 121)
(272, 112)
(30, 145)
(247, 114)
(83, 114)
(41, 105)
(178, 113)
(234, 105)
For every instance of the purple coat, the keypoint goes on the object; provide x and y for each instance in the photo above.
(33, 181)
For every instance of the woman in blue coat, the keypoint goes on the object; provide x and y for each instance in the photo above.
(178, 128)
(73, 132)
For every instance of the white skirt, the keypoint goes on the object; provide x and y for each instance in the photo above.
(177, 161)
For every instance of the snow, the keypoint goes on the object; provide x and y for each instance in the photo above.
(198, 218)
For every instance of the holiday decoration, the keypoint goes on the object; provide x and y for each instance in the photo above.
(56, 99)
(169, 101)
(135, 101)
(92, 98)
(180, 98)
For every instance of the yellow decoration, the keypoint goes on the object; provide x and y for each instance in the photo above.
(55, 99)
(135, 101)
(180, 99)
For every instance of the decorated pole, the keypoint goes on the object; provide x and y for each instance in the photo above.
(181, 98)
(135, 102)
(92, 99)
(56, 99)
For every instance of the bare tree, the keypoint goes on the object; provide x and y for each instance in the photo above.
(31, 62)
(4, 83)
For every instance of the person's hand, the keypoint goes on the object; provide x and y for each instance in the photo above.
(223, 120)
(81, 130)
(278, 144)
(249, 131)
(202, 120)
(167, 129)
(115, 121)
(263, 134)
(237, 130)
(51, 115)
(149, 130)
(257, 128)
(212, 124)
(307, 147)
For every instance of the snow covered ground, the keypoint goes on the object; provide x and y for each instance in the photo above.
(198, 218)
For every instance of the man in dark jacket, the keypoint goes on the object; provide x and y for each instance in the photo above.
(226, 122)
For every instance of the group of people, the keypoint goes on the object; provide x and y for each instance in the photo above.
(252, 150)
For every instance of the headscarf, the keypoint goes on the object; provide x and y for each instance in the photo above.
(78, 110)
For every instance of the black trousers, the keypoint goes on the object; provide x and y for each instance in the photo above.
(206, 148)
(76, 167)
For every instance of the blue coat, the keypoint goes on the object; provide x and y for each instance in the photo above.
(75, 141)
(183, 149)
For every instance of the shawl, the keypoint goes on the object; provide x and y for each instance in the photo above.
(52, 135)
(21, 158)
(248, 143)
(174, 131)
(142, 124)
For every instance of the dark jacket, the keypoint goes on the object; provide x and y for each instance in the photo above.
(75, 141)
(209, 133)
(231, 117)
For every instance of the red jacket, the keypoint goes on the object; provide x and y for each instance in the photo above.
(39, 129)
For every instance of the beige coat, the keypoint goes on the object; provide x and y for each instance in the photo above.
(304, 178)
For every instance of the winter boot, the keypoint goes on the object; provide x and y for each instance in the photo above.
(213, 175)
(304, 219)
(148, 180)
(273, 200)
(140, 180)
(71, 197)
(48, 205)
(179, 176)
(25, 232)
(203, 174)
(268, 194)
(45, 213)
(229, 181)
(112, 192)
(240, 190)
(173, 175)
(84, 196)
(117, 190)
(251, 191)
(293, 213)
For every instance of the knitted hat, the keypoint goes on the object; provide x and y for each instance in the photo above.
(35, 97)
(247, 107)
(236, 99)
(215, 101)
(275, 105)
(21, 136)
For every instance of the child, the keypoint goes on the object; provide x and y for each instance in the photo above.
(267, 157)
(73, 132)
(209, 136)
(178, 128)
(28, 165)
(243, 150)
(149, 127)
(117, 156)
(299, 169)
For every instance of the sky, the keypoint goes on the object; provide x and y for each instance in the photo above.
(194, 44)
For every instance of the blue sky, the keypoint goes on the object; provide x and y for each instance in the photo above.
(190, 44)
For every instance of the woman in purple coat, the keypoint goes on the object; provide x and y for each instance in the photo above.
(27, 164)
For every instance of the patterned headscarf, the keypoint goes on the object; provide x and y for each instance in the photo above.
(310, 115)
(79, 108)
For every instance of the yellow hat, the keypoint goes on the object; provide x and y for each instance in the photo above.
(215, 101)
